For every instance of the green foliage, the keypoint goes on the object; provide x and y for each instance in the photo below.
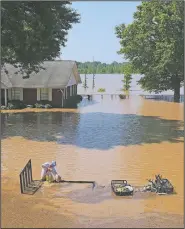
(29, 106)
(122, 96)
(39, 105)
(34, 31)
(43, 104)
(3, 107)
(101, 90)
(11, 106)
(47, 106)
(97, 67)
(15, 104)
(73, 101)
(127, 71)
(154, 44)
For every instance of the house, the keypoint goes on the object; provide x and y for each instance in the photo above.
(55, 83)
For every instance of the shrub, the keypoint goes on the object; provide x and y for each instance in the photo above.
(3, 107)
(47, 106)
(39, 105)
(79, 98)
(73, 101)
(122, 96)
(11, 106)
(30, 106)
(101, 90)
(16, 104)
(43, 104)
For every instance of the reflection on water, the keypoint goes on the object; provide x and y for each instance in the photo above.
(92, 130)
(104, 139)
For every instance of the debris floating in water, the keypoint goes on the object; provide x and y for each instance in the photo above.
(160, 185)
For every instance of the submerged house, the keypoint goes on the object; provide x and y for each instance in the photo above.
(56, 83)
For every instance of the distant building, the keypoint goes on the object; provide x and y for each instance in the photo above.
(55, 83)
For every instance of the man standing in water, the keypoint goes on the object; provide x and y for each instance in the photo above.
(49, 169)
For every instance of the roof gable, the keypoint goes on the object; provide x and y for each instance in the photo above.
(56, 74)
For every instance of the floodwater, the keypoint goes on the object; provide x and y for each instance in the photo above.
(103, 139)
(113, 84)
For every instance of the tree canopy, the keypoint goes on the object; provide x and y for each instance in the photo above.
(98, 67)
(34, 31)
(154, 45)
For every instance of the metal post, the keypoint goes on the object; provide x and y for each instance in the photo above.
(31, 171)
(5, 95)
(21, 182)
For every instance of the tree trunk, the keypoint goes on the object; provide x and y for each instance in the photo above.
(177, 92)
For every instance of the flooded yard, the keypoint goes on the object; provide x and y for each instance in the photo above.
(103, 139)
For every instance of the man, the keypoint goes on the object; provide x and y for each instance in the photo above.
(49, 169)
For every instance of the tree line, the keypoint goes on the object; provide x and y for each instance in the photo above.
(98, 67)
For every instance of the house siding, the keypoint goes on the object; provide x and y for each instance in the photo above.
(68, 91)
(30, 96)
(2, 97)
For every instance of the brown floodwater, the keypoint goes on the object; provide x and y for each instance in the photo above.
(103, 139)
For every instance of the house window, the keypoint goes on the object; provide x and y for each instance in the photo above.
(16, 93)
(44, 94)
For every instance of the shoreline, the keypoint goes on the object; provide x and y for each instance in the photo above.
(37, 110)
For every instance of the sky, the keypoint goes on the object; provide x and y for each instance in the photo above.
(95, 35)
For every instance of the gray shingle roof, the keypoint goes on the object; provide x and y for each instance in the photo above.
(55, 75)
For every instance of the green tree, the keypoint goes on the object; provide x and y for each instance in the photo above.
(127, 71)
(154, 44)
(34, 31)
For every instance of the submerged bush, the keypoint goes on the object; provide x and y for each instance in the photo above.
(16, 104)
(11, 106)
(39, 105)
(43, 104)
(47, 106)
(72, 101)
(122, 96)
(30, 106)
(101, 90)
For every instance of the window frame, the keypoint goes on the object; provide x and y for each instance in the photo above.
(15, 93)
(43, 93)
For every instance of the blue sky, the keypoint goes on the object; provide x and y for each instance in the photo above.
(94, 35)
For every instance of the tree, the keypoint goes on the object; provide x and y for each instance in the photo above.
(34, 31)
(127, 71)
(154, 44)
(99, 68)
